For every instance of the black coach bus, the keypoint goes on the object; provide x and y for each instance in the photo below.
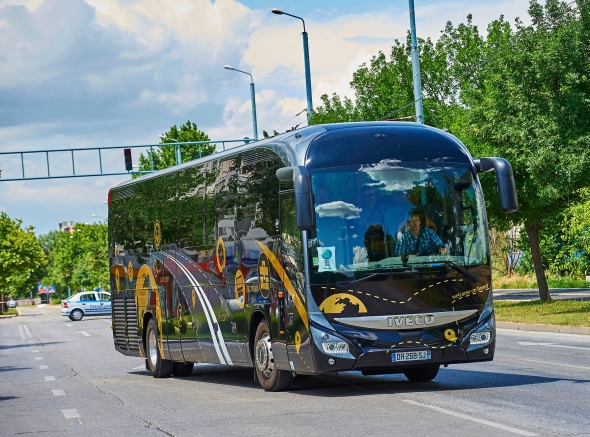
(359, 246)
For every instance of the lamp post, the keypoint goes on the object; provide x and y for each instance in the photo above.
(252, 98)
(99, 216)
(416, 67)
(305, 60)
(177, 151)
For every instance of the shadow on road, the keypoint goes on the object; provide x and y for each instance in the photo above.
(7, 398)
(13, 368)
(26, 345)
(355, 384)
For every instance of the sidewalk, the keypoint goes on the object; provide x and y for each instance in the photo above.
(533, 294)
(583, 330)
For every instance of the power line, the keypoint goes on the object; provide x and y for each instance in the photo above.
(296, 115)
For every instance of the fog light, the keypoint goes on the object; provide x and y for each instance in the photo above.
(335, 347)
(485, 351)
(480, 337)
(331, 361)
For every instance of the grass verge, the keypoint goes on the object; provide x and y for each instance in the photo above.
(557, 312)
(8, 312)
(530, 281)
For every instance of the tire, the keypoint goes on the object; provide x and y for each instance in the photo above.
(159, 367)
(76, 315)
(182, 369)
(422, 374)
(270, 378)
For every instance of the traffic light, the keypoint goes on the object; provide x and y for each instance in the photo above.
(128, 160)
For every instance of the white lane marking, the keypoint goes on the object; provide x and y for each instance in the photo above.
(71, 414)
(209, 314)
(557, 364)
(27, 331)
(218, 333)
(138, 368)
(106, 320)
(38, 358)
(22, 332)
(58, 392)
(527, 343)
(84, 333)
(473, 419)
(35, 350)
(50, 378)
(31, 341)
(68, 324)
(43, 367)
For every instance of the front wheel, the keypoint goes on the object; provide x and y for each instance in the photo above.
(422, 374)
(159, 367)
(270, 378)
(76, 315)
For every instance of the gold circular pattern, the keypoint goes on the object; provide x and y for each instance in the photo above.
(157, 235)
(130, 271)
(221, 254)
(450, 335)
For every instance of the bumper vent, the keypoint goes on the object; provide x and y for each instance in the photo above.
(125, 323)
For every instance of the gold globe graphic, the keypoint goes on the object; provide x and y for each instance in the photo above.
(342, 303)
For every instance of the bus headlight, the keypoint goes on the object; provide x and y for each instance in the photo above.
(335, 347)
(480, 337)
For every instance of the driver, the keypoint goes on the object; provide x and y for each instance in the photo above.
(418, 240)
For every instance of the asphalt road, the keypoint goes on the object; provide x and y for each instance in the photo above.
(60, 378)
(533, 294)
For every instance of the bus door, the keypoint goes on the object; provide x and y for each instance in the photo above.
(293, 305)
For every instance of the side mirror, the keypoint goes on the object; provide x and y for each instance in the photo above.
(305, 214)
(504, 179)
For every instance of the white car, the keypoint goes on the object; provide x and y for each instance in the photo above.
(88, 303)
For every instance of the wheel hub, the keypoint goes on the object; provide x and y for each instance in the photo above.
(152, 348)
(264, 357)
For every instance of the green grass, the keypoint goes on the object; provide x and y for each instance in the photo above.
(557, 312)
(8, 311)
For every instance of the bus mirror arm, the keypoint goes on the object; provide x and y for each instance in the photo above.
(504, 180)
(303, 199)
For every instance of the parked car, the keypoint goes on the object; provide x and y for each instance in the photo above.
(12, 303)
(88, 303)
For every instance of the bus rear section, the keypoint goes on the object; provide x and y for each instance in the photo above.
(398, 261)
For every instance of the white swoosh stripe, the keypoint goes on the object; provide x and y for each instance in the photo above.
(207, 316)
(219, 334)
(215, 334)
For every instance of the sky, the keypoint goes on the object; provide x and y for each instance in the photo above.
(93, 73)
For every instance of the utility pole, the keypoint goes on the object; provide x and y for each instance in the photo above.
(416, 67)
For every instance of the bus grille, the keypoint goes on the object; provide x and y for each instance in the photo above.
(125, 323)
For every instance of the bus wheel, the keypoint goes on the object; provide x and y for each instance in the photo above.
(182, 369)
(422, 374)
(159, 367)
(270, 378)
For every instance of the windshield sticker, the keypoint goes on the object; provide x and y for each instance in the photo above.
(327, 258)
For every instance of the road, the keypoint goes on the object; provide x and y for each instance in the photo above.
(533, 294)
(62, 378)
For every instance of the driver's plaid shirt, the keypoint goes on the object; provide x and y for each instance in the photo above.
(407, 243)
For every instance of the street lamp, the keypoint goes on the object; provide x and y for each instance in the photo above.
(252, 97)
(99, 216)
(305, 59)
(177, 152)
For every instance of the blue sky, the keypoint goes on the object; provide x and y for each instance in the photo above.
(83, 73)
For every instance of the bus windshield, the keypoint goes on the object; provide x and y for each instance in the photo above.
(392, 214)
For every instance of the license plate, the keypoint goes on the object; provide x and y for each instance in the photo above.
(410, 356)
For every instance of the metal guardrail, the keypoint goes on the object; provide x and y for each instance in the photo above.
(101, 172)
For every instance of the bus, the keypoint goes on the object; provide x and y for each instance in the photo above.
(331, 248)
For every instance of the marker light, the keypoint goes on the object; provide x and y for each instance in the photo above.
(480, 337)
(335, 347)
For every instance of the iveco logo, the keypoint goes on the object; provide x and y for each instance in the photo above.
(411, 320)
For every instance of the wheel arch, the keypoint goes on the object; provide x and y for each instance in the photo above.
(255, 319)
(146, 319)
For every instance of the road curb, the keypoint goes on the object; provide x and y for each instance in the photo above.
(584, 330)
(8, 316)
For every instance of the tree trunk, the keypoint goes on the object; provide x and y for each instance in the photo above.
(532, 231)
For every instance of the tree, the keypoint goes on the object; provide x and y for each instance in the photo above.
(529, 104)
(165, 156)
(78, 260)
(21, 254)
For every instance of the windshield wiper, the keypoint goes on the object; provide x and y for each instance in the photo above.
(467, 274)
(341, 284)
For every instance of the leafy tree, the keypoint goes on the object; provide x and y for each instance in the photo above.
(165, 156)
(529, 104)
(21, 254)
(77, 260)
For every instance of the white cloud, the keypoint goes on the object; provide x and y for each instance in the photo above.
(360, 255)
(338, 209)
